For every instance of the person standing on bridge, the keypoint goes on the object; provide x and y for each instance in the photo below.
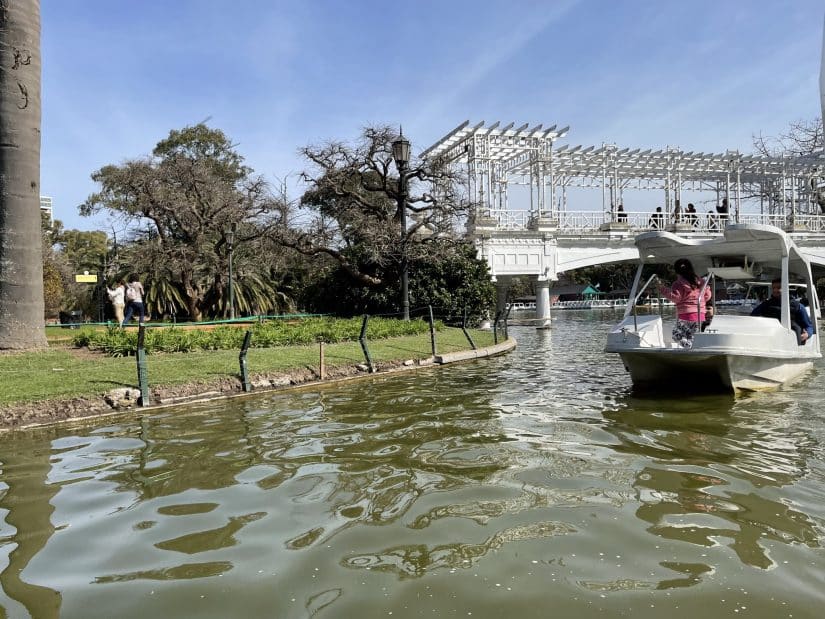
(723, 211)
(690, 215)
(657, 220)
(685, 293)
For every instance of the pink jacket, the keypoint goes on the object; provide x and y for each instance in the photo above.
(686, 297)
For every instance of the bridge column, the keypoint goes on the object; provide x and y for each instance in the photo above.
(542, 303)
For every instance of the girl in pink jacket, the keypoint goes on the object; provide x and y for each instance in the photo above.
(684, 292)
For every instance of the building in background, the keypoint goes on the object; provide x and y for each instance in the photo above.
(46, 206)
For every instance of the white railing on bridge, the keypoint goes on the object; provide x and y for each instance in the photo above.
(591, 221)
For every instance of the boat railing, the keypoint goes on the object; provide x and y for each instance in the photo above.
(636, 300)
(701, 299)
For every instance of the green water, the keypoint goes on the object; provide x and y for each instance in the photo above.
(531, 485)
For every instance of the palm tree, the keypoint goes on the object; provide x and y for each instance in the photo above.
(21, 269)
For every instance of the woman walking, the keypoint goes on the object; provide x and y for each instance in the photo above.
(117, 296)
(134, 300)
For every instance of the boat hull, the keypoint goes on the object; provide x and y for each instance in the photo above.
(685, 368)
(735, 353)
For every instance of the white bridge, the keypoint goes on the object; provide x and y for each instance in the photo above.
(548, 236)
(515, 246)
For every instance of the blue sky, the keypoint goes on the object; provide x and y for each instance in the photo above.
(275, 75)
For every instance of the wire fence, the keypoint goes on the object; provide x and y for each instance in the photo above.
(76, 324)
(64, 372)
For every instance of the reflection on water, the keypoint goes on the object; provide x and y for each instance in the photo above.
(494, 488)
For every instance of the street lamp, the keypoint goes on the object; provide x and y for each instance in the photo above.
(230, 240)
(401, 155)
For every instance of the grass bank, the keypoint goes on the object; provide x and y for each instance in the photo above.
(62, 373)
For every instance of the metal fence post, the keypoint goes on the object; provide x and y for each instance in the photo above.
(362, 339)
(247, 387)
(432, 330)
(322, 367)
(143, 378)
(464, 328)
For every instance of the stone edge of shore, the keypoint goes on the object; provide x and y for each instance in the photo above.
(56, 411)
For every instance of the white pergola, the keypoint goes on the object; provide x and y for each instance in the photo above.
(498, 156)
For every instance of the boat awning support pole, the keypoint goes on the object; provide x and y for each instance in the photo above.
(786, 306)
(738, 190)
(553, 205)
(727, 190)
(631, 305)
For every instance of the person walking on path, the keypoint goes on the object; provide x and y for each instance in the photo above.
(117, 296)
(134, 301)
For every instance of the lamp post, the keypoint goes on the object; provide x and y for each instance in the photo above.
(230, 240)
(401, 155)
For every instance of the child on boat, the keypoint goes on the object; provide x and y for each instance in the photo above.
(685, 292)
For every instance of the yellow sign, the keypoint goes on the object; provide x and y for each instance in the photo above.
(86, 278)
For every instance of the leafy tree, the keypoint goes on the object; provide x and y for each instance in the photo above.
(607, 277)
(21, 266)
(67, 253)
(85, 250)
(53, 290)
(453, 281)
(53, 276)
(180, 203)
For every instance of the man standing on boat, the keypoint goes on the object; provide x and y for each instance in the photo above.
(772, 308)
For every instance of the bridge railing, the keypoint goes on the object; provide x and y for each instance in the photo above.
(591, 221)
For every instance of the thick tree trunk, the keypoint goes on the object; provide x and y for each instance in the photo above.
(192, 297)
(21, 267)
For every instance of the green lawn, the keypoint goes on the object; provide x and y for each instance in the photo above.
(62, 372)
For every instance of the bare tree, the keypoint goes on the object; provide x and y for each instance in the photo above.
(354, 216)
(21, 269)
(801, 138)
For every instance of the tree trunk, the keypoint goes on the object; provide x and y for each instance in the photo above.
(192, 297)
(21, 269)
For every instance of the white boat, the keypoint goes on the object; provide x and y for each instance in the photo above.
(735, 352)
(589, 304)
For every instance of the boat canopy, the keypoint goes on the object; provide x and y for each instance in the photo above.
(733, 256)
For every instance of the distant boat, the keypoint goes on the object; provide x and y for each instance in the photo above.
(589, 304)
(519, 306)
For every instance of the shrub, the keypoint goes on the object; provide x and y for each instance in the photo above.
(118, 342)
